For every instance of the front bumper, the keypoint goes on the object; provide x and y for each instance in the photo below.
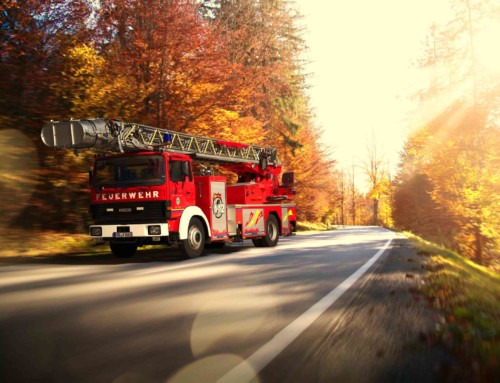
(132, 231)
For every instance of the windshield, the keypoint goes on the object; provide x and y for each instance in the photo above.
(129, 171)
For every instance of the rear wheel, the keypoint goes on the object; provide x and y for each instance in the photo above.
(215, 245)
(193, 245)
(257, 242)
(272, 232)
(123, 250)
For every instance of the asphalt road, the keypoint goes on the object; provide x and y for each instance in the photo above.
(237, 314)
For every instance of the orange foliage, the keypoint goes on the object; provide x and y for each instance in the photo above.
(234, 74)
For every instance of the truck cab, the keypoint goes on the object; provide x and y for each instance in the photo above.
(139, 198)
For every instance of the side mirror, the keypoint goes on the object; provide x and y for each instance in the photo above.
(186, 171)
(287, 179)
(90, 178)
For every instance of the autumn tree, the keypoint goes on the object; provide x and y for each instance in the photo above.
(262, 39)
(229, 69)
(414, 209)
(315, 179)
(454, 152)
(465, 175)
(173, 63)
(34, 35)
(378, 177)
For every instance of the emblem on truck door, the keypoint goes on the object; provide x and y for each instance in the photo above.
(218, 206)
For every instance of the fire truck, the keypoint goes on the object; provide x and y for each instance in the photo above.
(156, 186)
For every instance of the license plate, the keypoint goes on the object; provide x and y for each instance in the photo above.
(127, 234)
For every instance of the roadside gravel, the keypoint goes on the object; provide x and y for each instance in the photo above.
(385, 333)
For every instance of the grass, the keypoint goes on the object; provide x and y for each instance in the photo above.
(35, 243)
(28, 243)
(469, 294)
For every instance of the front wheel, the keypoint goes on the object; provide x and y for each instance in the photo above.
(193, 245)
(123, 250)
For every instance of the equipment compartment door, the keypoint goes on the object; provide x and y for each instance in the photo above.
(286, 212)
(219, 213)
(253, 222)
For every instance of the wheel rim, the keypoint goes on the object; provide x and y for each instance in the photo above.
(195, 237)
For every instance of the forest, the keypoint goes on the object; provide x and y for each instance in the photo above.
(234, 69)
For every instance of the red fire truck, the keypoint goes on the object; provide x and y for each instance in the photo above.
(144, 189)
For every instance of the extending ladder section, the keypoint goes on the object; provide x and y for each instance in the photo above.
(118, 136)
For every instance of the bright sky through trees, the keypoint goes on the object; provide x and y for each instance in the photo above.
(361, 55)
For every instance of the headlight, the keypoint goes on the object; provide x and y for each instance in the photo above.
(154, 230)
(96, 231)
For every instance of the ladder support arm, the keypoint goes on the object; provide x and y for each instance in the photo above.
(118, 136)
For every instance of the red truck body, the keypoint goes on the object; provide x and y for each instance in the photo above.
(151, 198)
(149, 194)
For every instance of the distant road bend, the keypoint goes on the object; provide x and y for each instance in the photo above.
(229, 317)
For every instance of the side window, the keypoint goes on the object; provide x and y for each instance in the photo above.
(175, 171)
(179, 170)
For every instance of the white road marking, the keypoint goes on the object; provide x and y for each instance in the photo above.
(264, 355)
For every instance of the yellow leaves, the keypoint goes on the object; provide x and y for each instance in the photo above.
(84, 61)
(93, 88)
(461, 165)
(228, 125)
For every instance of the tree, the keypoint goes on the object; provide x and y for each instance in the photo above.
(33, 35)
(172, 57)
(262, 40)
(33, 38)
(465, 175)
(453, 170)
(414, 209)
(221, 68)
(447, 184)
(377, 175)
(315, 179)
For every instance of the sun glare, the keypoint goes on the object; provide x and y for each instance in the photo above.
(487, 50)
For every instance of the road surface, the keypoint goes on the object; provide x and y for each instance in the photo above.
(236, 315)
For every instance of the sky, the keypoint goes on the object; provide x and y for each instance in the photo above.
(360, 72)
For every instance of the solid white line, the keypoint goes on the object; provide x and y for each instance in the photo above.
(264, 355)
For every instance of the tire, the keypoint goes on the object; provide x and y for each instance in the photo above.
(257, 242)
(215, 245)
(193, 245)
(272, 232)
(123, 250)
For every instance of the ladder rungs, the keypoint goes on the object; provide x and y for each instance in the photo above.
(119, 136)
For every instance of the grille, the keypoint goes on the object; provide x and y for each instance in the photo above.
(132, 212)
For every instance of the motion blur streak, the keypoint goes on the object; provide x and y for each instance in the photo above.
(280, 341)
(235, 314)
(18, 167)
(60, 295)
